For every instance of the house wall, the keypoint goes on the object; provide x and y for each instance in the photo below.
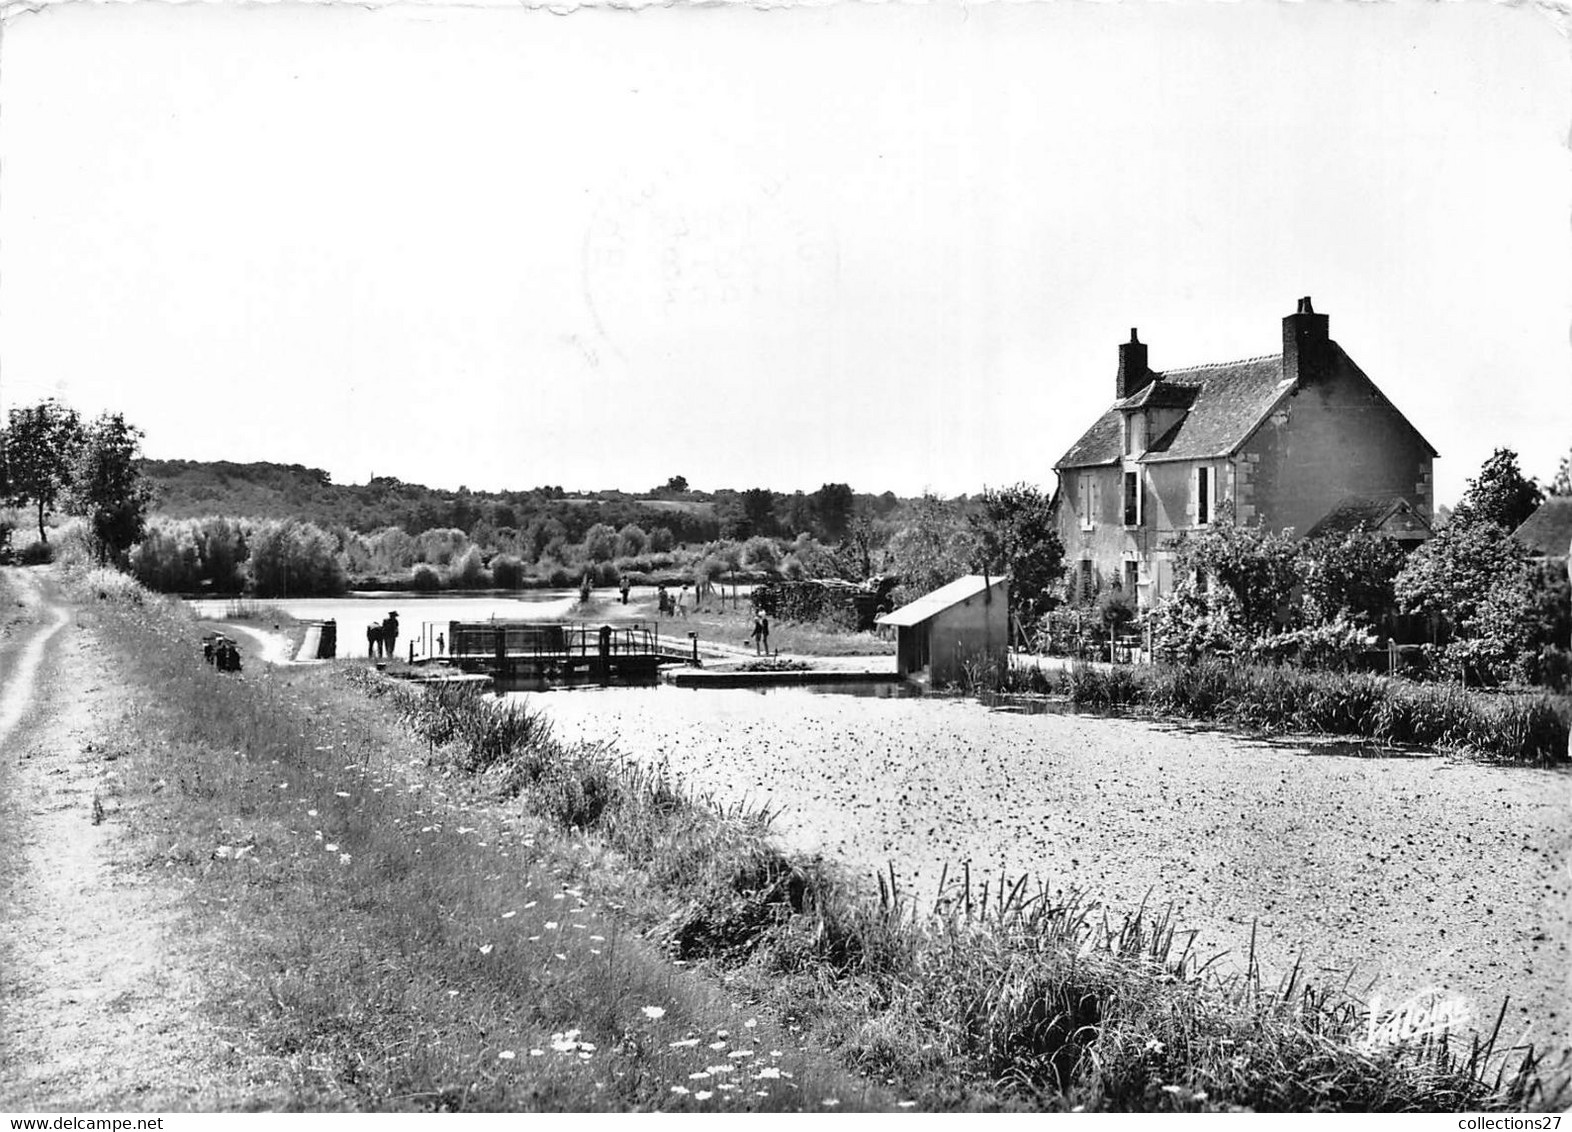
(970, 631)
(1334, 437)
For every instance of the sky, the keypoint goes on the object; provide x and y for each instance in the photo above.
(888, 245)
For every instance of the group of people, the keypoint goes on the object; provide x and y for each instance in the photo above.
(672, 606)
(382, 637)
(221, 652)
(761, 633)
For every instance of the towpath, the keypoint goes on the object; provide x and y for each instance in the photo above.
(96, 986)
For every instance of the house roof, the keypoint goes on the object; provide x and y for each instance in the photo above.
(1373, 512)
(1226, 403)
(916, 612)
(1548, 530)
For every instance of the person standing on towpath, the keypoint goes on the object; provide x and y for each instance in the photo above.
(390, 634)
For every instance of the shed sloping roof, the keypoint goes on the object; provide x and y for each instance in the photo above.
(916, 612)
(1388, 514)
(1549, 529)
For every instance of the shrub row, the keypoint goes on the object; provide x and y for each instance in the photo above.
(1530, 728)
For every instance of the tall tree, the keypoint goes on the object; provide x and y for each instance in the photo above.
(1499, 494)
(1562, 484)
(1015, 534)
(832, 506)
(40, 444)
(107, 488)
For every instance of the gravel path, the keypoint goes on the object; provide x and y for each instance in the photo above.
(1429, 872)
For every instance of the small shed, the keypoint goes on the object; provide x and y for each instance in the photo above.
(964, 622)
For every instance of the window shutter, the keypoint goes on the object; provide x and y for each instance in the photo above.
(1190, 518)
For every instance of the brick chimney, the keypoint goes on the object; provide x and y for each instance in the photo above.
(1134, 375)
(1306, 347)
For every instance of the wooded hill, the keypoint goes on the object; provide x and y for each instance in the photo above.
(191, 489)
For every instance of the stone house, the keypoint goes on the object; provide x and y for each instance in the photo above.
(1299, 440)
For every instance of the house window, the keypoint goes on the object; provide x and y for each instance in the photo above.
(1087, 503)
(1203, 496)
(1132, 499)
(1132, 578)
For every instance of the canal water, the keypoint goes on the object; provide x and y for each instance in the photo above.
(1421, 873)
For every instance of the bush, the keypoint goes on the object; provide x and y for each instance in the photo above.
(294, 559)
(36, 554)
(507, 571)
(469, 571)
(425, 578)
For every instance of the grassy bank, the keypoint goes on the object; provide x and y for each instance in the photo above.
(405, 932)
(1527, 728)
(397, 941)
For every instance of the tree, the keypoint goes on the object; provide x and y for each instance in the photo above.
(1256, 566)
(294, 559)
(632, 541)
(1015, 535)
(1562, 484)
(107, 488)
(1351, 574)
(832, 509)
(600, 543)
(41, 444)
(933, 547)
(1473, 581)
(758, 505)
(676, 485)
(1499, 494)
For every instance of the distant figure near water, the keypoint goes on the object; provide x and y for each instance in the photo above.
(373, 640)
(390, 634)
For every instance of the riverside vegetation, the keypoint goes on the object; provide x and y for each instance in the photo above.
(1501, 726)
(446, 907)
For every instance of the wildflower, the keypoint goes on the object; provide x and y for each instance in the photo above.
(537, 1053)
(331, 848)
(723, 1085)
(1154, 1046)
(311, 813)
(1171, 1090)
(768, 1073)
(551, 925)
(750, 1023)
(343, 858)
(740, 1053)
(685, 1043)
(703, 1095)
(701, 1075)
(560, 956)
(717, 1045)
(719, 1068)
(905, 1104)
(509, 915)
(680, 1090)
(341, 793)
(1200, 1096)
(830, 1102)
(775, 1053)
(597, 939)
(531, 904)
(654, 1013)
(506, 1055)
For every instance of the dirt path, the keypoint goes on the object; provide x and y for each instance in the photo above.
(96, 992)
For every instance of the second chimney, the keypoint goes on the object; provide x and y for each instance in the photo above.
(1134, 375)
(1306, 345)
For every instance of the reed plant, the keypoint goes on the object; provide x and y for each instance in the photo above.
(1526, 727)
